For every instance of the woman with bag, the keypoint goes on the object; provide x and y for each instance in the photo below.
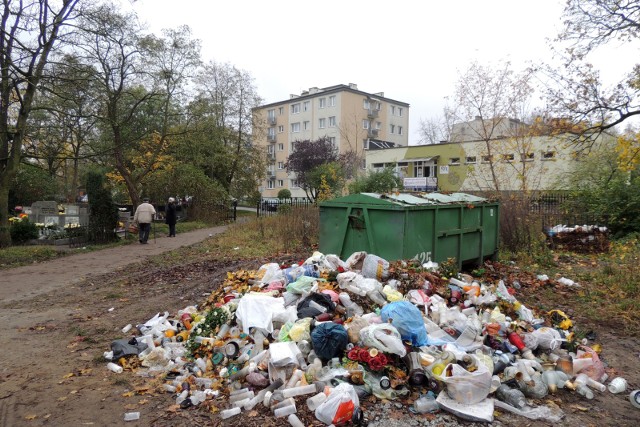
(170, 216)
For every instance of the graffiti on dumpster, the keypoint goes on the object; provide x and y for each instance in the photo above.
(423, 257)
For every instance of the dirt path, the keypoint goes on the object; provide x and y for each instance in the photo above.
(32, 280)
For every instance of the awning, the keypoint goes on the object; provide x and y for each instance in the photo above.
(420, 159)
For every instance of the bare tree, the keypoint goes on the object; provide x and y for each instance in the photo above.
(29, 32)
(576, 91)
(487, 107)
(435, 130)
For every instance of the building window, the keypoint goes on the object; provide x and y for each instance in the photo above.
(471, 160)
(454, 161)
(294, 183)
(270, 184)
(322, 102)
(363, 165)
(332, 101)
(548, 155)
(365, 144)
(508, 157)
(392, 129)
(400, 111)
(280, 183)
(365, 124)
(295, 108)
(332, 140)
(281, 111)
(322, 123)
(280, 128)
(528, 157)
(271, 114)
(270, 149)
(332, 121)
(365, 104)
(487, 159)
(281, 147)
(295, 127)
(378, 125)
(393, 110)
(271, 132)
(305, 125)
(305, 106)
(378, 165)
(280, 165)
(399, 130)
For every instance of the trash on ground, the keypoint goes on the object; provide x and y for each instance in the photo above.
(324, 338)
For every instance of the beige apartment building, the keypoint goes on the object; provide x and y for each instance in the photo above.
(352, 119)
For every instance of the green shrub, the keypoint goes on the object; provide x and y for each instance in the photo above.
(23, 231)
(284, 194)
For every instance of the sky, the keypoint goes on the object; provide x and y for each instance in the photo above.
(413, 51)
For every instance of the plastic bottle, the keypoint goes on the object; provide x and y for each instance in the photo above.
(581, 386)
(353, 309)
(298, 391)
(132, 416)
(314, 401)
(425, 404)
(113, 367)
(294, 421)
(512, 396)
(295, 377)
(283, 412)
(228, 413)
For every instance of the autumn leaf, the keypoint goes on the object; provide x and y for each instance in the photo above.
(128, 394)
(69, 375)
(30, 417)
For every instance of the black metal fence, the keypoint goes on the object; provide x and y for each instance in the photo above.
(267, 207)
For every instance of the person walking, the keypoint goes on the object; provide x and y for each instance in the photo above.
(170, 216)
(143, 217)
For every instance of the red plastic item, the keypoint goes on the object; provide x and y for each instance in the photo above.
(515, 339)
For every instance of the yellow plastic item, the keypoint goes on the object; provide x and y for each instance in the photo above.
(560, 319)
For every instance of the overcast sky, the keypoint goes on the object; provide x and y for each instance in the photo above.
(410, 50)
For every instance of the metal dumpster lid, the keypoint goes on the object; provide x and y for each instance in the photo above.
(427, 198)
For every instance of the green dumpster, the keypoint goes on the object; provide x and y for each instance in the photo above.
(429, 226)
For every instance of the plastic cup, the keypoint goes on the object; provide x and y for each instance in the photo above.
(228, 413)
(294, 421)
(634, 398)
(617, 385)
(132, 416)
(283, 412)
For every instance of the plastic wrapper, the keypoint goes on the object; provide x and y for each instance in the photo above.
(537, 413)
(391, 294)
(301, 285)
(355, 260)
(257, 311)
(354, 327)
(269, 272)
(300, 330)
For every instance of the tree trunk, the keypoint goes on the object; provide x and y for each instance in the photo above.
(5, 235)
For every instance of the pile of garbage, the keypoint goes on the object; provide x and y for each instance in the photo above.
(326, 334)
(583, 239)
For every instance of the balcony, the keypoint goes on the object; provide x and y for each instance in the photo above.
(271, 137)
(271, 120)
(372, 113)
(271, 156)
(373, 133)
(271, 175)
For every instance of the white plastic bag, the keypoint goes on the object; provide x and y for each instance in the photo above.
(269, 272)
(468, 387)
(385, 337)
(355, 260)
(339, 406)
(257, 310)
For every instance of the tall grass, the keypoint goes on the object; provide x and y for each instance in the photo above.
(287, 232)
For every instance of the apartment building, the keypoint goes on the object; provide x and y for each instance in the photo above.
(350, 118)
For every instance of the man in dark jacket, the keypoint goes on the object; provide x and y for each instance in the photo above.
(170, 216)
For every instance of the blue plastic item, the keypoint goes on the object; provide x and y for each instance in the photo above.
(407, 319)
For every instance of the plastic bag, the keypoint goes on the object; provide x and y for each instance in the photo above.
(467, 387)
(314, 304)
(329, 340)
(257, 311)
(391, 294)
(355, 260)
(407, 319)
(268, 272)
(354, 327)
(335, 262)
(301, 285)
(538, 413)
(374, 267)
(300, 330)
(339, 406)
(384, 337)
(596, 370)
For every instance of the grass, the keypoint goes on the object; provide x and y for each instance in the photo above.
(610, 289)
(16, 256)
